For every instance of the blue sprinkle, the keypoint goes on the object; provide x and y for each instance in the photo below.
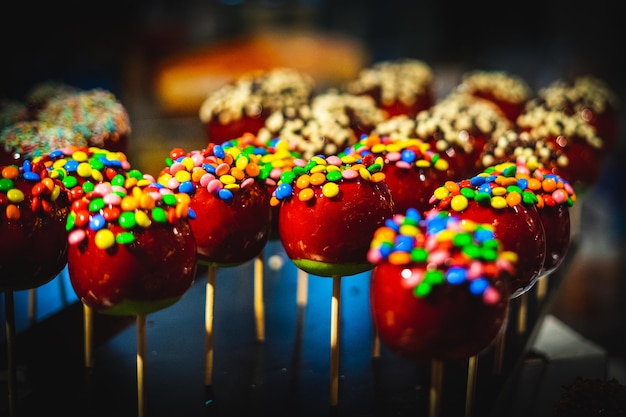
(56, 154)
(225, 194)
(71, 165)
(191, 213)
(408, 155)
(478, 286)
(485, 188)
(522, 183)
(476, 181)
(31, 176)
(413, 215)
(436, 224)
(97, 222)
(186, 187)
(209, 168)
(456, 275)
(490, 178)
(385, 249)
(404, 243)
(390, 223)
(483, 235)
(283, 191)
(27, 165)
(218, 151)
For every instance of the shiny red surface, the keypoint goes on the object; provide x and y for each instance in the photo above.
(141, 277)
(556, 223)
(33, 249)
(338, 230)
(448, 324)
(231, 232)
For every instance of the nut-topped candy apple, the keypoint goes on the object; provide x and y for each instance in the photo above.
(243, 105)
(458, 127)
(588, 98)
(412, 170)
(331, 122)
(400, 87)
(330, 208)
(439, 287)
(231, 201)
(33, 211)
(579, 148)
(501, 199)
(508, 91)
(131, 248)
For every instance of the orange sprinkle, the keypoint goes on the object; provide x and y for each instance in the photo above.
(10, 171)
(318, 178)
(12, 212)
(306, 194)
(451, 186)
(534, 184)
(378, 176)
(399, 258)
(303, 181)
(548, 185)
(513, 199)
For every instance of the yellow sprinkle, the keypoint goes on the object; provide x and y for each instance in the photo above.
(441, 164)
(183, 198)
(228, 179)
(182, 209)
(187, 163)
(197, 173)
(241, 163)
(97, 175)
(498, 202)
(365, 174)
(318, 168)
(409, 230)
(445, 235)
(164, 179)
(509, 256)
(129, 202)
(498, 191)
(233, 186)
(79, 156)
(459, 203)
(56, 192)
(130, 182)
(330, 189)
(83, 169)
(441, 193)
(182, 176)
(15, 195)
(104, 239)
(142, 219)
(422, 163)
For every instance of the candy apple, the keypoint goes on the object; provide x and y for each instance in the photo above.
(330, 208)
(33, 210)
(131, 250)
(438, 291)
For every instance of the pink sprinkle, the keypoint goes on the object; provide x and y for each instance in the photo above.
(148, 177)
(491, 296)
(206, 179)
(373, 256)
(403, 165)
(197, 159)
(214, 186)
(102, 188)
(126, 165)
(176, 166)
(393, 156)
(247, 182)
(270, 182)
(475, 270)
(569, 189)
(299, 162)
(156, 195)
(112, 199)
(76, 236)
(173, 183)
(118, 189)
(349, 174)
(333, 160)
(275, 173)
(559, 196)
(439, 256)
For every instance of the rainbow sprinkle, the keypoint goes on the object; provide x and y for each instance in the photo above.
(442, 249)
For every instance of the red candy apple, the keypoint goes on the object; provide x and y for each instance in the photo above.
(231, 202)
(502, 200)
(438, 291)
(33, 210)
(132, 251)
(329, 211)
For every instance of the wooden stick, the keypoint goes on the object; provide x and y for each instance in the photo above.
(302, 289)
(259, 307)
(542, 287)
(472, 367)
(141, 356)
(436, 383)
(32, 306)
(498, 357)
(208, 323)
(88, 329)
(334, 340)
(11, 368)
(522, 313)
(375, 343)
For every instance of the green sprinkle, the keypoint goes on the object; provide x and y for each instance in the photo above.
(489, 254)
(96, 164)
(125, 238)
(159, 215)
(529, 197)
(127, 220)
(468, 193)
(287, 177)
(70, 182)
(88, 186)
(96, 204)
(118, 180)
(462, 239)
(169, 199)
(419, 255)
(333, 176)
(434, 277)
(514, 189)
(422, 290)
(472, 251)
(71, 221)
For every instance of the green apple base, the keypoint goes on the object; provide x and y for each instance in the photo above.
(325, 269)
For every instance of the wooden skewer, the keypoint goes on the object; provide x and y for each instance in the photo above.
(141, 357)
(9, 304)
(472, 368)
(436, 383)
(334, 340)
(522, 313)
(302, 288)
(208, 322)
(32, 306)
(88, 329)
(259, 307)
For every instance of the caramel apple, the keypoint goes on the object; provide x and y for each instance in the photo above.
(131, 248)
(399, 87)
(244, 104)
(439, 287)
(412, 170)
(507, 91)
(231, 201)
(501, 199)
(330, 208)
(33, 211)
(458, 127)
